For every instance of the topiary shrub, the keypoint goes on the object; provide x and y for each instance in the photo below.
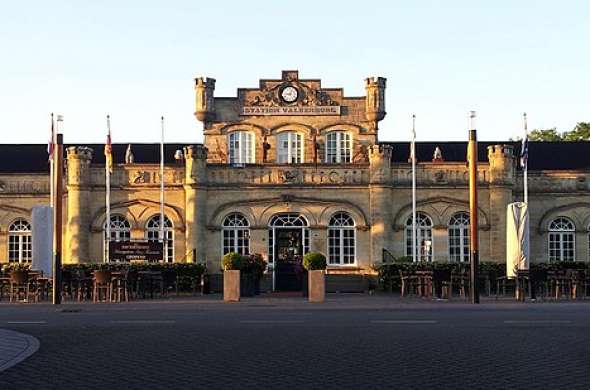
(232, 261)
(314, 261)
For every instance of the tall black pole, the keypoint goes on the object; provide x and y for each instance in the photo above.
(57, 217)
(473, 223)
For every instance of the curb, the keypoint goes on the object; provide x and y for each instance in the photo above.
(15, 347)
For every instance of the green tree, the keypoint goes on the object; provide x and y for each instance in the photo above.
(580, 133)
(545, 135)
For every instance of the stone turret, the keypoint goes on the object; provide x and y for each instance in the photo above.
(501, 158)
(195, 157)
(204, 99)
(375, 98)
(379, 159)
(501, 177)
(78, 204)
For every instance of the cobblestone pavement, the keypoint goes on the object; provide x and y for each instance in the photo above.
(15, 347)
(349, 342)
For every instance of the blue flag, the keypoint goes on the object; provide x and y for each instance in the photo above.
(524, 152)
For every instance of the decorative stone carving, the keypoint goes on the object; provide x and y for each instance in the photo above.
(129, 157)
(269, 96)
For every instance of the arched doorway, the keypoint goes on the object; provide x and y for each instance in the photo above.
(288, 241)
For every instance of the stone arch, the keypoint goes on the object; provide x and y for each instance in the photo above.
(138, 211)
(329, 211)
(307, 130)
(265, 208)
(10, 213)
(258, 130)
(345, 126)
(578, 212)
(440, 209)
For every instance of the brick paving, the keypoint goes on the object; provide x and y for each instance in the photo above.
(351, 342)
(15, 347)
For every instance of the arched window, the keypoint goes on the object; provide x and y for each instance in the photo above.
(341, 239)
(338, 147)
(120, 231)
(562, 240)
(241, 147)
(236, 234)
(424, 242)
(290, 148)
(287, 221)
(152, 233)
(20, 247)
(459, 237)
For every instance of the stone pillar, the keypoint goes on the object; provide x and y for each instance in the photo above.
(380, 200)
(78, 221)
(195, 202)
(501, 177)
(318, 240)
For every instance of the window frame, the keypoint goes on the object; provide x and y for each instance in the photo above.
(464, 245)
(235, 234)
(420, 229)
(20, 231)
(340, 232)
(245, 138)
(556, 235)
(152, 234)
(334, 153)
(298, 156)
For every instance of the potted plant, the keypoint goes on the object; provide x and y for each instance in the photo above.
(232, 263)
(315, 264)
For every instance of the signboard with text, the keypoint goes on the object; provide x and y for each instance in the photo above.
(130, 251)
(290, 110)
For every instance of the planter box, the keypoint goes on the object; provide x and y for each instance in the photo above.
(316, 285)
(231, 286)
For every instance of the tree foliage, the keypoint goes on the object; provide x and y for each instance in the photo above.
(581, 132)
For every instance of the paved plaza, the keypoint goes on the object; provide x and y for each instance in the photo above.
(351, 341)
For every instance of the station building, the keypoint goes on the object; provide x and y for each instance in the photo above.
(292, 166)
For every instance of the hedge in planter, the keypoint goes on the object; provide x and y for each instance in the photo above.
(313, 261)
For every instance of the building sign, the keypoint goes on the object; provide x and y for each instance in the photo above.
(128, 251)
(290, 110)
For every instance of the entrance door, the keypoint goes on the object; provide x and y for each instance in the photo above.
(288, 260)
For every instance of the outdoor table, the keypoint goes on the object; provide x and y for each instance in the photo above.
(441, 280)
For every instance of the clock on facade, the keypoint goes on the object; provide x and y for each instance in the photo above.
(289, 94)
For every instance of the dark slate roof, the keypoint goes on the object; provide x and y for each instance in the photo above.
(542, 155)
(32, 158)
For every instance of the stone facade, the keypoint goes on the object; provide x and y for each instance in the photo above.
(366, 180)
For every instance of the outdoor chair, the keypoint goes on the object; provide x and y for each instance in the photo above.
(441, 283)
(4, 286)
(102, 286)
(424, 283)
(558, 283)
(460, 281)
(538, 283)
(119, 286)
(169, 282)
(585, 282)
(20, 287)
(408, 283)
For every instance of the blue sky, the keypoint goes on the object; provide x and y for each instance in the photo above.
(136, 60)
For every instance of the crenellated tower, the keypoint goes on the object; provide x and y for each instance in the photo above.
(375, 99)
(78, 205)
(195, 157)
(205, 99)
(501, 178)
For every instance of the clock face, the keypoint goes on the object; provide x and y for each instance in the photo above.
(289, 94)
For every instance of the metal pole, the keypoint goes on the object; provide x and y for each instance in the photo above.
(162, 220)
(107, 171)
(413, 153)
(57, 219)
(473, 223)
(525, 166)
(52, 159)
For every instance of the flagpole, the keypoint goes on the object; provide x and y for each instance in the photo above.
(473, 223)
(51, 163)
(525, 164)
(162, 230)
(108, 191)
(413, 157)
